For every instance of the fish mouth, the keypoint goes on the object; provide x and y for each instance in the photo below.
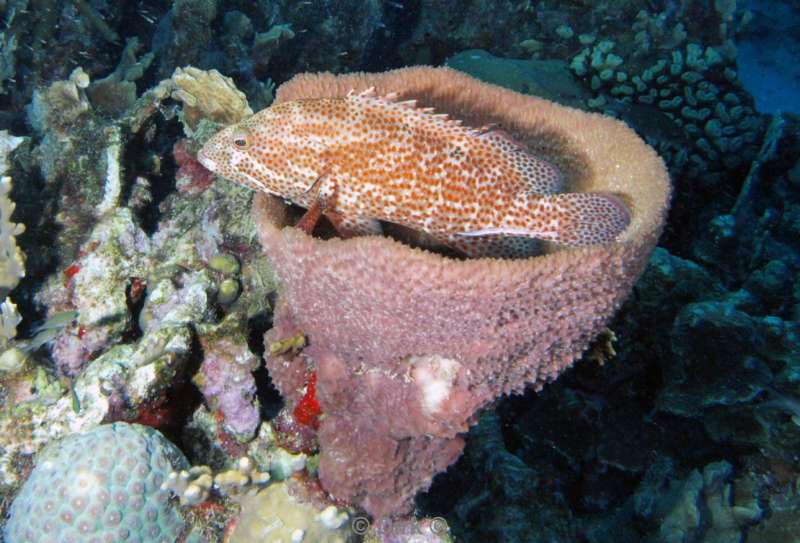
(207, 162)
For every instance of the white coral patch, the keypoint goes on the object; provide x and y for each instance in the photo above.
(434, 377)
(113, 185)
(333, 518)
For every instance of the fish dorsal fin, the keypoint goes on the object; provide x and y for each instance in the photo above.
(390, 98)
(442, 120)
(535, 175)
(366, 93)
(498, 135)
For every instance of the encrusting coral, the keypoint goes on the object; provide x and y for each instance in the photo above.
(406, 345)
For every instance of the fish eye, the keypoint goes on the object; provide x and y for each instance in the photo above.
(241, 138)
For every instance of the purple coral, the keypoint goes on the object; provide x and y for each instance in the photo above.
(72, 351)
(226, 381)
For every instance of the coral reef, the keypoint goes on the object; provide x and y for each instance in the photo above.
(123, 380)
(116, 93)
(12, 260)
(121, 299)
(143, 280)
(717, 382)
(96, 285)
(766, 48)
(184, 34)
(61, 103)
(695, 86)
(504, 506)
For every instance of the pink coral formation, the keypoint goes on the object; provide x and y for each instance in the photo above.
(406, 344)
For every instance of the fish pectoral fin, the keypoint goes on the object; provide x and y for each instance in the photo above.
(323, 194)
(310, 218)
(316, 187)
(321, 200)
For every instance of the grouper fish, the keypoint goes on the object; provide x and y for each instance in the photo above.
(367, 159)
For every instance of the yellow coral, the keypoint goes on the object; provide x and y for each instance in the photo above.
(209, 95)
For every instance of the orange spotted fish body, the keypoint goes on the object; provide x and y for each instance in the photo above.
(373, 159)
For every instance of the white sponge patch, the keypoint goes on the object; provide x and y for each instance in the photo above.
(434, 377)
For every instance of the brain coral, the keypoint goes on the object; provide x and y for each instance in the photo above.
(100, 486)
(407, 344)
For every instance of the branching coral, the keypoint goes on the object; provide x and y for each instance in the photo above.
(12, 261)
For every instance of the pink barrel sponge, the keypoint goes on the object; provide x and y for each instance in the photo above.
(405, 344)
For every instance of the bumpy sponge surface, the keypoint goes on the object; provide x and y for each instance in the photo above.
(99, 486)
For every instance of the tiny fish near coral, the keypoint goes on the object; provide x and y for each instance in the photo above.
(364, 158)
